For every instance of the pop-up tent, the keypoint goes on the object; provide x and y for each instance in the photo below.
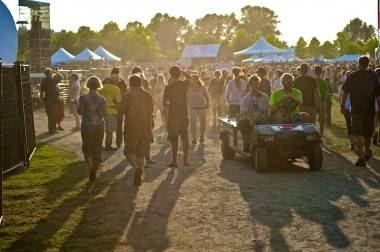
(348, 58)
(260, 47)
(8, 36)
(86, 55)
(270, 58)
(289, 58)
(61, 56)
(106, 55)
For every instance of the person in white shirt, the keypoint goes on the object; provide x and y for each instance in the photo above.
(73, 96)
(277, 82)
(236, 89)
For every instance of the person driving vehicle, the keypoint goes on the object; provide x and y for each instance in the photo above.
(285, 103)
(254, 109)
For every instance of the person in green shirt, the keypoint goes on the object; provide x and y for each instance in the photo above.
(324, 89)
(284, 103)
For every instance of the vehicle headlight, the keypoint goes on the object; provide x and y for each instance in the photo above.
(267, 139)
(311, 138)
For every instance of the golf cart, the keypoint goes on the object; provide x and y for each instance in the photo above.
(269, 142)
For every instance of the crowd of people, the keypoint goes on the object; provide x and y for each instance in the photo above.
(183, 99)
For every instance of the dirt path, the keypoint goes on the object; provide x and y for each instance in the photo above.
(217, 205)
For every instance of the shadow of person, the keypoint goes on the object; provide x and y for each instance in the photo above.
(49, 138)
(274, 198)
(40, 235)
(148, 231)
(105, 219)
(161, 158)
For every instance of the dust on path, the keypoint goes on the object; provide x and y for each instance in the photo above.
(218, 205)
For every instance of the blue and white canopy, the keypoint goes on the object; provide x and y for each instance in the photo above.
(271, 58)
(289, 58)
(106, 55)
(86, 55)
(260, 47)
(251, 59)
(348, 58)
(61, 56)
(8, 36)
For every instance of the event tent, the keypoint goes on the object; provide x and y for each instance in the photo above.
(270, 58)
(86, 55)
(106, 55)
(261, 46)
(61, 56)
(201, 51)
(289, 58)
(347, 58)
(8, 35)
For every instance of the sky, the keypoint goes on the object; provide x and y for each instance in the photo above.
(307, 18)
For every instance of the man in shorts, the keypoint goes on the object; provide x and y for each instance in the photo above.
(216, 91)
(137, 106)
(175, 101)
(323, 87)
(364, 90)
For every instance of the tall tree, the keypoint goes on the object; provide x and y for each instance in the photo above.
(87, 38)
(256, 18)
(219, 26)
(170, 33)
(240, 40)
(313, 49)
(328, 50)
(110, 38)
(358, 31)
(301, 50)
(66, 40)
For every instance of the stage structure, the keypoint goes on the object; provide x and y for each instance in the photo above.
(34, 33)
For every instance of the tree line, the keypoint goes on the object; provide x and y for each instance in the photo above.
(165, 36)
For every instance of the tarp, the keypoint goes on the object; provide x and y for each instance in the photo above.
(270, 58)
(260, 47)
(8, 36)
(201, 51)
(106, 55)
(61, 56)
(347, 58)
(86, 55)
(29, 3)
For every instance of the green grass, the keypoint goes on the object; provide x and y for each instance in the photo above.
(31, 195)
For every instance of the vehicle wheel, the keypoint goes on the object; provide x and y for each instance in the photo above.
(227, 151)
(261, 160)
(315, 158)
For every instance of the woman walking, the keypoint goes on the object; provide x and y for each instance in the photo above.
(198, 101)
(93, 109)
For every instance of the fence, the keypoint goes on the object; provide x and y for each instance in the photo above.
(17, 135)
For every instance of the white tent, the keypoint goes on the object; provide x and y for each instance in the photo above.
(106, 55)
(260, 47)
(86, 55)
(201, 51)
(270, 58)
(61, 56)
(8, 35)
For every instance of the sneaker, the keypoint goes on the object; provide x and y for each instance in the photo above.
(361, 163)
(109, 148)
(194, 141)
(61, 129)
(201, 139)
(353, 147)
(138, 178)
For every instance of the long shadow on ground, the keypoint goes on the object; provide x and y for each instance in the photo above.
(274, 197)
(38, 238)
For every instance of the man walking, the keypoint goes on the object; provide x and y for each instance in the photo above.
(364, 90)
(49, 95)
(111, 92)
(216, 91)
(175, 100)
(137, 106)
(310, 92)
